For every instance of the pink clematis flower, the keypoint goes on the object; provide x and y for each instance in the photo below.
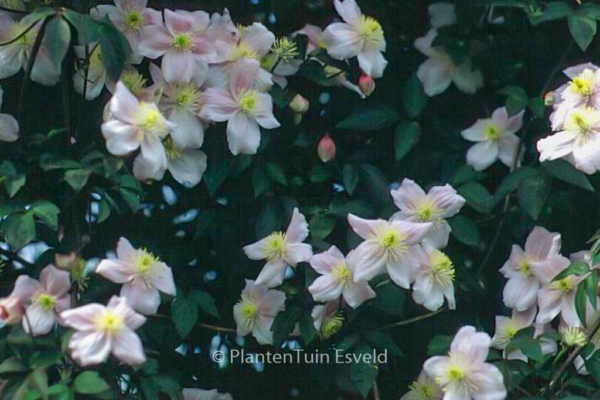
(578, 142)
(337, 279)
(464, 374)
(103, 330)
(280, 250)
(495, 139)
(42, 300)
(15, 55)
(200, 394)
(387, 247)
(439, 71)
(142, 274)
(439, 204)
(96, 73)
(256, 311)
(434, 278)
(186, 165)
(358, 36)
(557, 297)
(424, 388)
(244, 108)
(9, 127)
(131, 17)
(583, 91)
(527, 270)
(182, 42)
(137, 124)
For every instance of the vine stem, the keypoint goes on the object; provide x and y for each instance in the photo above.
(410, 320)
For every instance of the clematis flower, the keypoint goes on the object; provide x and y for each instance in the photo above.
(15, 55)
(181, 102)
(200, 394)
(9, 127)
(337, 279)
(441, 15)
(583, 91)
(181, 42)
(464, 374)
(131, 17)
(578, 142)
(137, 124)
(280, 250)
(244, 108)
(439, 71)
(328, 320)
(103, 330)
(142, 274)
(358, 36)
(434, 278)
(256, 311)
(557, 297)
(186, 165)
(424, 388)
(94, 74)
(526, 270)
(387, 247)
(495, 139)
(441, 203)
(314, 34)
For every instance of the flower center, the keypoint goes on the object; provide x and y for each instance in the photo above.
(188, 97)
(243, 50)
(183, 41)
(584, 121)
(583, 84)
(144, 262)
(391, 239)
(525, 268)
(135, 19)
(442, 268)
(564, 285)
(25, 40)
(247, 101)
(426, 212)
(276, 246)
(110, 323)
(151, 120)
(511, 331)
(332, 325)
(492, 132)
(46, 301)
(371, 32)
(341, 272)
(285, 49)
(250, 312)
(424, 391)
(173, 153)
(134, 81)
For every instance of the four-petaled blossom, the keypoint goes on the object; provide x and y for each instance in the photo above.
(137, 124)
(244, 108)
(464, 374)
(280, 250)
(142, 274)
(104, 330)
(578, 141)
(439, 71)
(439, 204)
(434, 279)
(557, 296)
(495, 139)
(526, 269)
(337, 279)
(181, 41)
(200, 394)
(257, 310)
(9, 127)
(424, 388)
(387, 247)
(358, 36)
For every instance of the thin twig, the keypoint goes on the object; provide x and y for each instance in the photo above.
(409, 321)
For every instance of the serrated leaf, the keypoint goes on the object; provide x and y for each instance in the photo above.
(47, 212)
(363, 373)
(406, 136)
(77, 178)
(383, 341)
(578, 268)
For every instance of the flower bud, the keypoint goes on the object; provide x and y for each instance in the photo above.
(549, 99)
(299, 104)
(366, 84)
(11, 310)
(326, 148)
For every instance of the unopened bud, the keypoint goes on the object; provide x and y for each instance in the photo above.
(549, 99)
(299, 104)
(11, 310)
(326, 148)
(366, 84)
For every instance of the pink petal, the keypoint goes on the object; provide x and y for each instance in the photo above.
(414, 231)
(500, 117)
(423, 44)
(363, 227)
(189, 133)
(297, 231)
(120, 306)
(507, 149)
(177, 22)
(556, 146)
(162, 279)
(89, 348)
(242, 75)
(121, 138)
(476, 133)
(435, 76)
(9, 128)
(402, 271)
(263, 112)
(408, 196)
(446, 198)
(262, 330)
(37, 321)
(342, 41)
(542, 244)
(189, 168)
(155, 42)
(258, 38)
(141, 298)
(326, 288)
(25, 288)
(272, 303)
(367, 261)
(272, 274)
(55, 281)
(372, 62)
(520, 292)
(466, 79)
(482, 155)
(357, 293)
(82, 318)
(243, 134)
(124, 105)
(324, 262)
(219, 107)
(348, 10)
(178, 66)
(475, 345)
(116, 271)
(127, 347)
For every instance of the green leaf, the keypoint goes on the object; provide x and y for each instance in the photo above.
(47, 212)
(376, 182)
(57, 39)
(363, 373)
(533, 192)
(115, 48)
(260, 181)
(464, 174)
(12, 365)
(555, 10)
(578, 268)
(565, 171)
(320, 173)
(383, 341)
(184, 313)
(583, 30)
(390, 298)
(439, 345)
(168, 385)
(413, 96)
(275, 172)
(406, 137)
(77, 178)
(529, 346)
(307, 328)
(348, 342)
(87, 28)
(284, 324)
(321, 225)
(537, 106)
(477, 197)
(511, 182)
(591, 288)
(464, 230)
(206, 302)
(350, 178)
(14, 183)
(371, 118)
(517, 99)
(90, 382)
(19, 229)
(580, 300)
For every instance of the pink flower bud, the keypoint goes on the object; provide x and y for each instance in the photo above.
(549, 99)
(326, 148)
(299, 104)
(366, 84)
(11, 310)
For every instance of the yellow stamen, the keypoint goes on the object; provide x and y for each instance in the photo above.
(145, 262)
(134, 81)
(371, 32)
(583, 84)
(109, 323)
(492, 132)
(276, 246)
(331, 326)
(247, 101)
(46, 301)
(135, 19)
(243, 50)
(341, 272)
(183, 41)
(442, 268)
